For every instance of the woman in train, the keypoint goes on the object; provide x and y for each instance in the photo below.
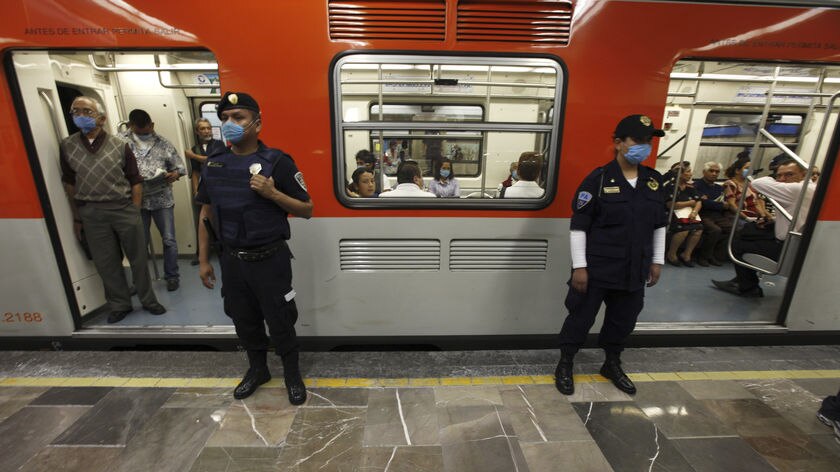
(685, 219)
(363, 184)
(754, 207)
(444, 184)
(512, 179)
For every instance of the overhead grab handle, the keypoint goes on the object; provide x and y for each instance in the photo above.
(210, 67)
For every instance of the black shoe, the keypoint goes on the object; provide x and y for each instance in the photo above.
(172, 285)
(295, 388)
(155, 308)
(117, 316)
(253, 379)
(673, 262)
(715, 262)
(687, 263)
(612, 370)
(731, 286)
(194, 262)
(703, 262)
(563, 379)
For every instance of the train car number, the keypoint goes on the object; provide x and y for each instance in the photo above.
(25, 317)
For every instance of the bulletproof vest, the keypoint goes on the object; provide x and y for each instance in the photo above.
(244, 219)
(100, 176)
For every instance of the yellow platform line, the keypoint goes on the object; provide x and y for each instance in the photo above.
(360, 382)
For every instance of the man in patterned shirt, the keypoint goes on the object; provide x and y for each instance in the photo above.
(100, 177)
(159, 165)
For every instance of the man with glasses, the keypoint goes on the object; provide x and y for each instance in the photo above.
(101, 179)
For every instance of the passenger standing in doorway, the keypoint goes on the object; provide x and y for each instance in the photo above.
(618, 246)
(205, 144)
(105, 188)
(160, 165)
(248, 191)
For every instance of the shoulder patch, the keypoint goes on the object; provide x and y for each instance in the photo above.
(583, 198)
(299, 179)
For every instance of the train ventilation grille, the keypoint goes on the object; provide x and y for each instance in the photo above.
(536, 21)
(390, 254)
(378, 19)
(495, 255)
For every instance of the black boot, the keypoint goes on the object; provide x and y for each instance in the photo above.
(563, 375)
(294, 383)
(613, 371)
(257, 375)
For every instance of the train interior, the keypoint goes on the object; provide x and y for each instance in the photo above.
(479, 113)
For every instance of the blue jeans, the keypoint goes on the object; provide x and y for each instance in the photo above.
(165, 222)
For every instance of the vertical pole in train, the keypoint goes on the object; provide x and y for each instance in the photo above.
(483, 158)
(700, 71)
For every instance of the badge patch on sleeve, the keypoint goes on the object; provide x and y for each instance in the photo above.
(582, 199)
(299, 179)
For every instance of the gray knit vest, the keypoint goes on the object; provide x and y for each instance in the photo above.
(100, 176)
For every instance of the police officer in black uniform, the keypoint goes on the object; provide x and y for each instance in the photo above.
(247, 192)
(618, 245)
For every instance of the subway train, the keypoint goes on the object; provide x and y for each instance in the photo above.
(476, 81)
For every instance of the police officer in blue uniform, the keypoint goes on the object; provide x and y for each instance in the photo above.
(618, 246)
(247, 192)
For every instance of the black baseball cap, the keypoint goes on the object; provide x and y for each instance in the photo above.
(237, 100)
(637, 126)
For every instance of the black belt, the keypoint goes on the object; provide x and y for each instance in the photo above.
(258, 253)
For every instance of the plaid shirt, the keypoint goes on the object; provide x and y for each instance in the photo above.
(153, 155)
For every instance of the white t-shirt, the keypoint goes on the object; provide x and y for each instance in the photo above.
(524, 189)
(786, 194)
(407, 190)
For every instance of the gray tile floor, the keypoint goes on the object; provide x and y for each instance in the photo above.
(687, 425)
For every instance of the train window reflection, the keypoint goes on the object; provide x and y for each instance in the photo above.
(468, 116)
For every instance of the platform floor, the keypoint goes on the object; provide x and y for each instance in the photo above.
(697, 409)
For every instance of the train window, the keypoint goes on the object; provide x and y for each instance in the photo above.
(208, 111)
(478, 113)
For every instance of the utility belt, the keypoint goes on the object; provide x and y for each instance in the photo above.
(259, 253)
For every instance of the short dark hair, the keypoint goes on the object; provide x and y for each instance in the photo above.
(439, 165)
(787, 160)
(357, 174)
(365, 156)
(407, 172)
(530, 165)
(139, 118)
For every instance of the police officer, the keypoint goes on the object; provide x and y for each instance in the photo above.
(618, 245)
(248, 191)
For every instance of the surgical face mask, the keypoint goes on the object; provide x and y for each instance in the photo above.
(637, 153)
(445, 173)
(85, 123)
(233, 132)
(143, 137)
(745, 172)
(514, 175)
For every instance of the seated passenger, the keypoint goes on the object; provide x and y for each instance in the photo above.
(444, 184)
(716, 216)
(754, 207)
(685, 221)
(529, 167)
(815, 174)
(363, 185)
(513, 177)
(365, 159)
(409, 182)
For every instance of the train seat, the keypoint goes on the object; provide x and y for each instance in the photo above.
(772, 266)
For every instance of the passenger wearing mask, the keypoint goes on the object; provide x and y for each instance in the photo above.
(444, 184)
(160, 165)
(618, 246)
(528, 168)
(512, 178)
(754, 207)
(362, 185)
(197, 155)
(767, 240)
(409, 183)
(105, 189)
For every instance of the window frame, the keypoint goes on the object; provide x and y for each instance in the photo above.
(553, 128)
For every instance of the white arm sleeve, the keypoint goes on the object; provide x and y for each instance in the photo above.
(659, 245)
(577, 241)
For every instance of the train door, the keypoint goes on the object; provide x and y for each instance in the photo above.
(163, 84)
(741, 118)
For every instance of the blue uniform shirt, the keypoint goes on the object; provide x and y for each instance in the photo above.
(243, 218)
(619, 221)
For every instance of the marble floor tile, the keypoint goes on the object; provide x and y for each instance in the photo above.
(322, 397)
(495, 454)
(820, 387)
(539, 413)
(721, 455)
(78, 396)
(790, 453)
(324, 440)
(385, 420)
(13, 399)
(676, 413)
(73, 459)
(750, 417)
(715, 389)
(24, 433)
(828, 442)
(402, 459)
(200, 398)
(597, 392)
(241, 425)
(236, 459)
(629, 440)
(420, 415)
(169, 442)
(480, 438)
(115, 418)
(467, 396)
(797, 405)
(577, 456)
